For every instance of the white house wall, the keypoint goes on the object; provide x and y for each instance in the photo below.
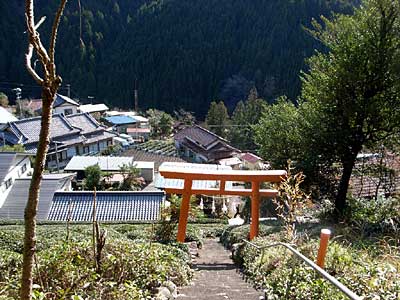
(62, 108)
(14, 173)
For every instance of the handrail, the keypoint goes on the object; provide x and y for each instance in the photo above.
(345, 290)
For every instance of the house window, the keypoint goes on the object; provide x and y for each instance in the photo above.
(86, 149)
(62, 156)
(8, 183)
(68, 111)
(23, 169)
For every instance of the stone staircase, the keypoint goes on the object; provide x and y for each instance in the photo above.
(217, 277)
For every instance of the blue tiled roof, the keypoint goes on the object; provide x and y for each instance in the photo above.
(120, 120)
(110, 206)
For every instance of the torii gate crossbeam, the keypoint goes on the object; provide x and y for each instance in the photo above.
(255, 177)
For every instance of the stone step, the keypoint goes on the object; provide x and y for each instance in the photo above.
(216, 277)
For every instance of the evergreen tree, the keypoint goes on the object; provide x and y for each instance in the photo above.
(217, 118)
(245, 116)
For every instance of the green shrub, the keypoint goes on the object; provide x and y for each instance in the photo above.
(65, 270)
(284, 276)
(381, 215)
(129, 270)
(235, 234)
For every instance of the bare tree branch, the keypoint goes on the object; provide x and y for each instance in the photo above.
(28, 62)
(53, 38)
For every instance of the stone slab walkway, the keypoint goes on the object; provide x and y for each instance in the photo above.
(216, 277)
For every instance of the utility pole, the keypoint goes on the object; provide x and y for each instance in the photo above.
(57, 161)
(68, 90)
(18, 92)
(135, 92)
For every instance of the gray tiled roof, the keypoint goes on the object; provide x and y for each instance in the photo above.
(14, 206)
(28, 129)
(110, 206)
(6, 160)
(85, 122)
(67, 130)
(200, 135)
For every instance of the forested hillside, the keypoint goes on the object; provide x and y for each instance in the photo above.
(184, 53)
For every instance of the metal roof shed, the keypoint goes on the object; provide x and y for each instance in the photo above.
(110, 206)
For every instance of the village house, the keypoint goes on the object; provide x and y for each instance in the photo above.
(96, 110)
(251, 161)
(110, 164)
(13, 165)
(71, 135)
(62, 105)
(57, 201)
(197, 144)
(120, 124)
(129, 122)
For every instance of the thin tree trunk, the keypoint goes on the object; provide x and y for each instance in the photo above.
(340, 201)
(50, 84)
(33, 198)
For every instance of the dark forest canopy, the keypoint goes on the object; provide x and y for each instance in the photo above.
(184, 53)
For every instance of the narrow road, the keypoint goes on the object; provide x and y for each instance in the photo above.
(216, 277)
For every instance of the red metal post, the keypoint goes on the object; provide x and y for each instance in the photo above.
(323, 247)
(255, 209)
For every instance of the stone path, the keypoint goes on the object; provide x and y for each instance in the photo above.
(216, 277)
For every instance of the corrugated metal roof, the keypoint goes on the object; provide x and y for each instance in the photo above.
(106, 163)
(6, 161)
(158, 159)
(162, 183)
(6, 116)
(140, 118)
(110, 206)
(14, 206)
(90, 108)
(120, 120)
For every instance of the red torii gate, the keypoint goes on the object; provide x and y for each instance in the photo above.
(255, 177)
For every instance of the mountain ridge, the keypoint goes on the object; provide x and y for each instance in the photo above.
(182, 53)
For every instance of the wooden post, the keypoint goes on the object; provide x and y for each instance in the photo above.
(255, 209)
(323, 247)
(184, 212)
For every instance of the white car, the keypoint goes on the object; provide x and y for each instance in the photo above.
(120, 141)
(128, 138)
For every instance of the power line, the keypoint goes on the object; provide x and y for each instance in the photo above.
(231, 125)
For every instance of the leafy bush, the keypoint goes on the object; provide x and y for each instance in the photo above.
(129, 270)
(380, 215)
(235, 234)
(284, 276)
(66, 270)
